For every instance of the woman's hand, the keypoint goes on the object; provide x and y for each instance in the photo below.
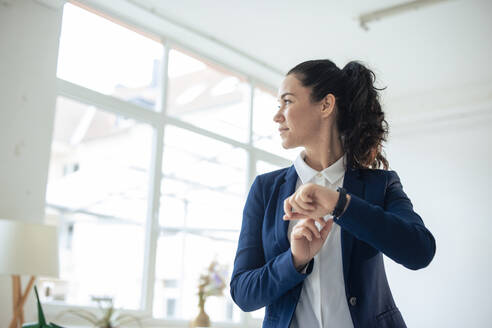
(306, 240)
(309, 201)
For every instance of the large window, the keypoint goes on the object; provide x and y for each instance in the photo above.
(154, 149)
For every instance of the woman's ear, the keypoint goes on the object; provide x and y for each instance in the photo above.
(327, 105)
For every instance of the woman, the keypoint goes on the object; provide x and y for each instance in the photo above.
(313, 235)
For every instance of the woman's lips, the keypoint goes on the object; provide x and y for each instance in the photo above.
(282, 130)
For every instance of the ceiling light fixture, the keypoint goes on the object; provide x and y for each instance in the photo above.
(364, 19)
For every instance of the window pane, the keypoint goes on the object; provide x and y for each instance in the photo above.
(97, 183)
(181, 258)
(203, 183)
(202, 200)
(98, 54)
(207, 97)
(265, 130)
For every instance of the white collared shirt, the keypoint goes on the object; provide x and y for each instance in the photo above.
(322, 302)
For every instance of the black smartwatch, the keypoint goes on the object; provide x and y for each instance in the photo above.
(342, 201)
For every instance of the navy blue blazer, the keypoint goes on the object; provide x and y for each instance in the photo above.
(379, 220)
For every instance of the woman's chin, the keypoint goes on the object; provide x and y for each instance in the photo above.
(286, 144)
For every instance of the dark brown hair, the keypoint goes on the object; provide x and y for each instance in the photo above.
(360, 119)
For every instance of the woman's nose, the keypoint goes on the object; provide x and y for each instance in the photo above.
(278, 117)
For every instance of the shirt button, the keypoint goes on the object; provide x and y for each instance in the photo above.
(318, 175)
(353, 301)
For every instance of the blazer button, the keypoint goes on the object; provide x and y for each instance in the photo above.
(353, 301)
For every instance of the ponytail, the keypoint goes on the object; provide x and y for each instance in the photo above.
(362, 120)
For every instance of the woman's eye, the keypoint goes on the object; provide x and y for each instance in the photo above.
(285, 101)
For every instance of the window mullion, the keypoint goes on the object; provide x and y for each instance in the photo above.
(152, 229)
(152, 222)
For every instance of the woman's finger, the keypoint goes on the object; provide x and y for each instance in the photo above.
(326, 229)
(307, 233)
(304, 204)
(309, 223)
(296, 216)
(287, 207)
(321, 221)
(300, 209)
(305, 197)
(302, 232)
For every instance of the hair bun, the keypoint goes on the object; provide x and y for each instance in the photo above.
(352, 69)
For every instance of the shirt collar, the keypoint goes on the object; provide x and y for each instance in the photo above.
(306, 173)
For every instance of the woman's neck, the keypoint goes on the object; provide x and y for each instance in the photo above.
(319, 163)
(324, 154)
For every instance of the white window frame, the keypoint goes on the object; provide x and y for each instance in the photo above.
(159, 120)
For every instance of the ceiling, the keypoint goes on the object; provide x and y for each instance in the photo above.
(438, 49)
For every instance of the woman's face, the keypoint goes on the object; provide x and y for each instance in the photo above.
(299, 120)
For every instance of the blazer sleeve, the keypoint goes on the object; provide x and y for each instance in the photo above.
(254, 282)
(395, 230)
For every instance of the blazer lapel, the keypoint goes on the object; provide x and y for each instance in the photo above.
(287, 188)
(354, 184)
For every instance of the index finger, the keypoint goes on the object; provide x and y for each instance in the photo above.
(287, 207)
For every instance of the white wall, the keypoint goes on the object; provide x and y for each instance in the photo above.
(29, 33)
(445, 170)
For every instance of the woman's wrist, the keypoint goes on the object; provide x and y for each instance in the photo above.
(330, 200)
(297, 264)
(330, 207)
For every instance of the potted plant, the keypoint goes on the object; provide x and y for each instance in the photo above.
(211, 283)
(109, 318)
